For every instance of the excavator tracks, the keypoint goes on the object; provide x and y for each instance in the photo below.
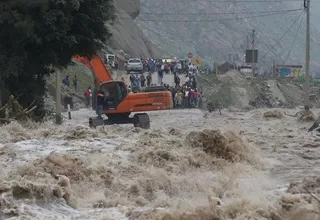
(142, 121)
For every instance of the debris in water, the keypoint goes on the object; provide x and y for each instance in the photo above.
(273, 114)
(174, 132)
(305, 115)
(310, 145)
(14, 111)
(315, 124)
(312, 184)
(221, 145)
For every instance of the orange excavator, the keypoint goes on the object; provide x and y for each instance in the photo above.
(118, 102)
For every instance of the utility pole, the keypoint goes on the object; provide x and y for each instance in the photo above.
(1, 87)
(58, 98)
(2, 113)
(248, 43)
(307, 77)
(253, 41)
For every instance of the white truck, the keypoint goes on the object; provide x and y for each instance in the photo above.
(111, 60)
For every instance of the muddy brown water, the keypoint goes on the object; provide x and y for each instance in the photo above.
(123, 169)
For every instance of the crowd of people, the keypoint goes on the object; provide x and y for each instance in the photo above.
(184, 94)
(183, 89)
(167, 66)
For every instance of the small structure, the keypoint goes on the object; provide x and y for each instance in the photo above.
(289, 70)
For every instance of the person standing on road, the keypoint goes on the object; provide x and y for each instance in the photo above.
(137, 83)
(142, 80)
(194, 69)
(187, 80)
(179, 68)
(90, 94)
(186, 95)
(173, 96)
(75, 83)
(178, 98)
(193, 82)
(171, 68)
(190, 68)
(200, 98)
(196, 96)
(65, 80)
(160, 75)
(149, 79)
(100, 101)
(132, 79)
(87, 97)
(176, 79)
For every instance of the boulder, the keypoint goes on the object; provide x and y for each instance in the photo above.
(131, 7)
(126, 35)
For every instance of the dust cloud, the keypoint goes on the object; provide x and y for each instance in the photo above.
(238, 165)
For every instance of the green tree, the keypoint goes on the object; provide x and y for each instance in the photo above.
(38, 35)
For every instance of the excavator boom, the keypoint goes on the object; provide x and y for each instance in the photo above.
(97, 67)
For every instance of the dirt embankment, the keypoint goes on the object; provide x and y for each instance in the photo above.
(234, 89)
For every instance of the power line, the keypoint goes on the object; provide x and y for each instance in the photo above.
(203, 20)
(219, 13)
(295, 37)
(252, 1)
(282, 36)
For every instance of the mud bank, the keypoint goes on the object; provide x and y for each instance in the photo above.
(236, 89)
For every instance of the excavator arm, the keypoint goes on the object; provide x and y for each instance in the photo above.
(97, 67)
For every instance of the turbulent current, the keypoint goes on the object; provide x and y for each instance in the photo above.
(190, 165)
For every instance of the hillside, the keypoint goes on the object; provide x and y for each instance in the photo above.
(215, 36)
(127, 36)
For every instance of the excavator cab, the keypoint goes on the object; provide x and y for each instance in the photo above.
(114, 93)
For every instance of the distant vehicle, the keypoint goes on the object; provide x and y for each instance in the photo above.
(168, 60)
(111, 60)
(134, 65)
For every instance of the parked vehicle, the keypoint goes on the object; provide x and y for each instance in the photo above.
(134, 65)
(111, 60)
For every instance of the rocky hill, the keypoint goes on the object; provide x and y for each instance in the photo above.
(214, 36)
(127, 36)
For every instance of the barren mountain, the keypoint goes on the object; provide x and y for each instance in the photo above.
(214, 29)
(127, 35)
